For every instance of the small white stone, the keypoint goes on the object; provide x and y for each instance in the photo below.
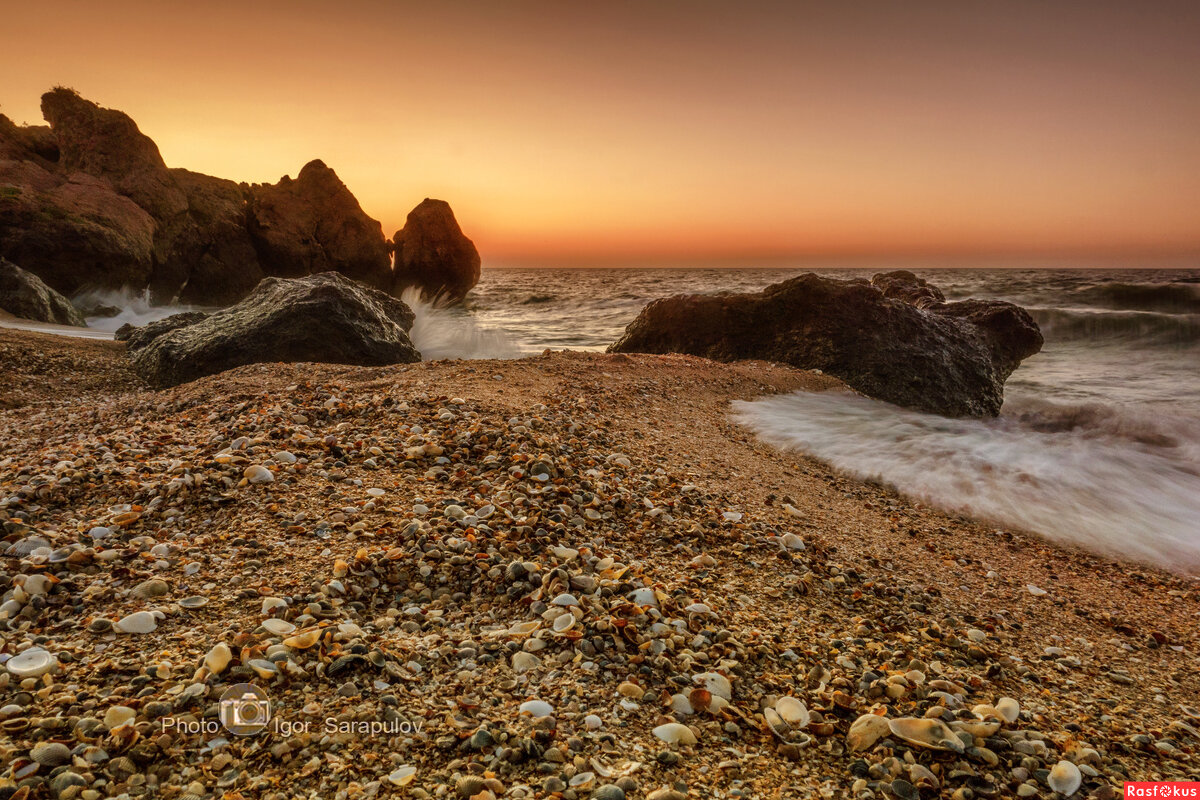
(592, 722)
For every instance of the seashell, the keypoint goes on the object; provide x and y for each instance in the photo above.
(31, 663)
(536, 708)
(931, 733)
(264, 668)
(583, 780)
(1009, 709)
(794, 712)
(1036, 591)
(279, 627)
(304, 639)
(523, 662)
(866, 731)
(258, 474)
(118, 716)
(283, 457)
(138, 622)
(402, 776)
(269, 604)
(777, 725)
(1065, 778)
(523, 628)
(716, 683)
(980, 728)
(593, 722)
(218, 658)
(631, 690)
(644, 597)
(681, 705)
(195, 601)
(126, 519)
(565, 599)
(791, 541)
(563, 623)
(675, 733)
(698, 608)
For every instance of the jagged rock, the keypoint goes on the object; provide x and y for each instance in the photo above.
(433, 254)
(944, 358)
(313, 224)
(23, 294)
(324, 317)
(903, 285)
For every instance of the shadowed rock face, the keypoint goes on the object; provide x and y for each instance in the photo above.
(944, 358)
(89, 203)
(433, 255)
(324, 318)
(23, 294)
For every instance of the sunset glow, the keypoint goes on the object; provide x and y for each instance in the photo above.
(579, 133)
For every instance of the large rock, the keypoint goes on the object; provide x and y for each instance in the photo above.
(433, 255)
(944, 358)
(23, 294)
(324, 317)
(313, 224)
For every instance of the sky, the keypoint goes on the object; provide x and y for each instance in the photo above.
(663, 131)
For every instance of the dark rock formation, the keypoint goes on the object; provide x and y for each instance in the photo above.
(944, 358)
(89, 203)
(433, 254)
(324, 317)
(903, 285)
(313, 224)
(23, 294)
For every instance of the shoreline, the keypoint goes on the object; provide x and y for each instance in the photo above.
(884, 573)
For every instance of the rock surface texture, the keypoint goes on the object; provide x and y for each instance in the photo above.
(324, 318)
(433, 255)
(23, 294)
(88, 203)
(892, 338)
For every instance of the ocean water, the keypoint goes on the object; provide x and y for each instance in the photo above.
(1098, 444)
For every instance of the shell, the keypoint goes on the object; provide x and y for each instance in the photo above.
(32, 663)
(195, 601)
(137, 622)
(791, 541)
(523, 662)
(279, 627)
(258, 474)
(303, 640)
(1009, 709)
(794, 712)
(675, 733)
(1065, 778)
(536, 708)
(716, 683)
(523, 628)
(980, 728)
(402, 776)
(563, 622)
(931, 733)
(866, 731)
(118, 716)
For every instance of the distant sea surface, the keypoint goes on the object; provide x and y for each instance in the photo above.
(1098, 444)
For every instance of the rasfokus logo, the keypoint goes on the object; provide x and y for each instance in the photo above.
(244, 709)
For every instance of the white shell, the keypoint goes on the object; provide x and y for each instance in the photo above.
(536, 708)
(794, 712)
(866, 731)
(118, 716)
(1009, 709)
(565, 599)
(1065, 778)
(258, 474)
(402, 776)
(523, 662)
(698, 608)
(279, 627)
(644, 597)
(33, 663)
(717, 684)
(792, 542)
(927, 732)
(675, 733)
(218, 658)
(523, 628)
(1036, 591)
(563, 622)
(593, 722)
(681, 705)
(138, 622)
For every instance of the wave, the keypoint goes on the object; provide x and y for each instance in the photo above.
(441, 331)
(1142, 327)
(1102, 478)
(129, 306)
(1179, 298)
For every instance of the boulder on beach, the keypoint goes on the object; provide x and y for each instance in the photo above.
(433, 254)
(24, 295)
(325, 318)
(925, 354)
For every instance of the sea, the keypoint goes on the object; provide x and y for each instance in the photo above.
(1097, 446)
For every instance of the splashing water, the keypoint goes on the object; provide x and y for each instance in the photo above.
(1099, 477)
(135, 308)
(451, 332)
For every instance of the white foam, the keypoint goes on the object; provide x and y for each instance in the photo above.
(451, 332)
(1102, 478)
(136, 308)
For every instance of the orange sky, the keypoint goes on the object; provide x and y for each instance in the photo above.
(570, 132)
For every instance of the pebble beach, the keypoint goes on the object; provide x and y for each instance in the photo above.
(570, 575)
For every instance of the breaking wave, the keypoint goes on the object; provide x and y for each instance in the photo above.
(441, 331)
(1141, 327)
(1179, 298)
(1102, 478)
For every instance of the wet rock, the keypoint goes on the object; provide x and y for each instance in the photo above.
(24, 295)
